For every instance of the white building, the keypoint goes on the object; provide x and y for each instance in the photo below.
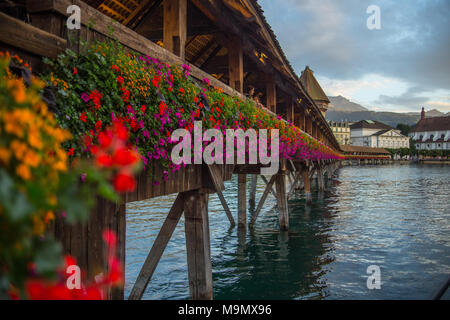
(374, 134)
(431, 133)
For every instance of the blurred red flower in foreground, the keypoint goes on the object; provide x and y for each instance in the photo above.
(115, 153)
(38, 289)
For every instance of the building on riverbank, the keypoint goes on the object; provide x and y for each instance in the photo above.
(431, 133)
(374, 134)
(341, 131)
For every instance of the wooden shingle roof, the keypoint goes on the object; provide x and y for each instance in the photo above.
(312, 86)
(348, 149)
(432, 124)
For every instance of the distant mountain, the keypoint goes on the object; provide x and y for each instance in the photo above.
(342, 109)
(431, 113)
(340, 103)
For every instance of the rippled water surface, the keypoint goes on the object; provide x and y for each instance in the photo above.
(396, 217)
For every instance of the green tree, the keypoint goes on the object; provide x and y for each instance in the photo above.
(404, 128)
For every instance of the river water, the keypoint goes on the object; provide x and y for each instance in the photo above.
(395, 217)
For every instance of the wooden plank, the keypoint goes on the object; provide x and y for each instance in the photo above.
(267, 183)
(175, 26)
(294, 185)
(236, 64)
(219, 186)
(24, 36)
(271, 95)
(242, 200)
(157, 249)
(283, 212)
(198, 244)
(307, 186)
(261, 202)
(252, 195)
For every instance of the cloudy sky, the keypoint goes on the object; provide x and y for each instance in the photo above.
(401, 67)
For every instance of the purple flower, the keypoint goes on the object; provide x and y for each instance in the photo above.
(85, 97)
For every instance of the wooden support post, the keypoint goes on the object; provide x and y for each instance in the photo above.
(198, 244)
(252, 196)
(271, 189)
(290, 114)
(294, 184)
(305, 174)
(283, 212)
(218, 186)
(261, 202)
(236, 65)
(175, 26)
(302, 123)
(271, 95)
(157, 250)
(242, 200)
(320, 177)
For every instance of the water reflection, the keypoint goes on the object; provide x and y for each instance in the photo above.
(396, 217)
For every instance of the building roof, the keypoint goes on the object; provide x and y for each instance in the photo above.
(379, 133)
(370, 124)
(348, 148)
(432, 124)
(312, 86)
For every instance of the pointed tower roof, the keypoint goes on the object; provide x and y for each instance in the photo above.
(312, 86)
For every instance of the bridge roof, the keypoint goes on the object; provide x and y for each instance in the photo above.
(312, 86)
(349, 149)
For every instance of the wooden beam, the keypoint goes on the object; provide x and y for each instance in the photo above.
(290, 110)
(283, 213)
(252, 196)
(198, 244)
(217, 182)
(271, 95)
(157, 250)
(242, 200)
(236, 65)
(267, 183)
(261, 202)
(294, 185)
(24, 36)
(307, 186)
(175, 26)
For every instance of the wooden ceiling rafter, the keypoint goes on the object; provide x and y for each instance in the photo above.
(148, 11)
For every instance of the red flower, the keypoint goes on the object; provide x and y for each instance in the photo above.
(104, 161)
(120, 80)
(162, 107)
(181, 90)
(124, 183)
(124, 157)
(104, 140)
(98, 125)
(83, 117)
(110, 238)
(75, 71)
(143, 108)
(71, 152)
(114, 67)
(155, 81)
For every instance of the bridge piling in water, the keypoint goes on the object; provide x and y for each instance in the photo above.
(242, 200)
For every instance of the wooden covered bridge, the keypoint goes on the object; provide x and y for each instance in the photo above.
(228, 42)
(365, 155)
